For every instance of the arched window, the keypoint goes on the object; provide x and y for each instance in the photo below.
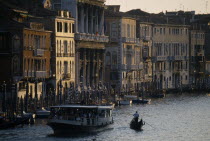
(16, 42)
(114, 58)
(108, 58)
(15, 64)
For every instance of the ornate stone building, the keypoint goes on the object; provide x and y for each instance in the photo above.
(123, 53)
(197, 56)
(145, 34)
(171, 55)
(89, 37)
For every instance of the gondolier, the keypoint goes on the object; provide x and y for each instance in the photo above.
(136, 116)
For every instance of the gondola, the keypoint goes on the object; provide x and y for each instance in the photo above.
(137, 125)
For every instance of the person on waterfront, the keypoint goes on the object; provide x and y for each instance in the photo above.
(136, 116)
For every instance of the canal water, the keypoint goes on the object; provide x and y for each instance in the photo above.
(175, 118)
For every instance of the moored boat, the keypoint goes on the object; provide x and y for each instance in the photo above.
(125, 102)
(141, 101)
(70, 119)
(42, 113)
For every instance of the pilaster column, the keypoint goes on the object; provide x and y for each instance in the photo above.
(91, 20)
(88, 68)
(86, 22)
(97, 67)
(101, 28)
(82, 19)
(96, 20)
(84, 68)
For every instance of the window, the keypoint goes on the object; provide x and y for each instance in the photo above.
(59, 26)
(70, 28)
(108, 58)
(65, 47)
(114, 58)
(128, 30)
(73, 28)
(155, 30)
(160, 30)
(65, 27)
(37, 42)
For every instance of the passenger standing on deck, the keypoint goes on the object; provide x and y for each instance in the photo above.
(136, 116)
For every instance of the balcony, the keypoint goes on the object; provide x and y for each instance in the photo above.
(130, 40)
(91, 37)
(161, 58)
(181, 58)
(147, 38)
(41, 74)
(29, 74)
(132, 67)
(67, 76)
(65, 55)
(39, 52)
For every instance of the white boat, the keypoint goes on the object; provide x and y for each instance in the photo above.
(79, 118)
(43, 113)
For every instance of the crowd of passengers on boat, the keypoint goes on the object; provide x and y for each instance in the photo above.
(79, 114)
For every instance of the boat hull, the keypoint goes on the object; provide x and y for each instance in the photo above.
(125, 102)
(62, 128)
(140, 101)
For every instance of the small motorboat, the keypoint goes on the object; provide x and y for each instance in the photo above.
(137, 125)
(160, 95)
(141, 101)
(125, 102)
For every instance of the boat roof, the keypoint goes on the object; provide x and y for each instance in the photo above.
(83, 106)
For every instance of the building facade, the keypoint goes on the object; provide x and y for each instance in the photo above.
(26, 52)
(197, 57)
(146, 43)
(63, 53)
(89, 37)
(171, 55)
(123, 54)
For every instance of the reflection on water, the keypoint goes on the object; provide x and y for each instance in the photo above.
(175, 118)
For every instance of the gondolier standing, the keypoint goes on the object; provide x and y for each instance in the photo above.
(136, 116)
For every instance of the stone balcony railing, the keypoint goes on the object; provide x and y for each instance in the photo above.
(146, 38)
(130, 40)
(131, 67)
(39, 52)
(65, 55)
(181, 58)
(29, 74)
(171, 58)
(91, 37)
(162, 58)
(35, 74)
(41, 74)
(67, 76)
